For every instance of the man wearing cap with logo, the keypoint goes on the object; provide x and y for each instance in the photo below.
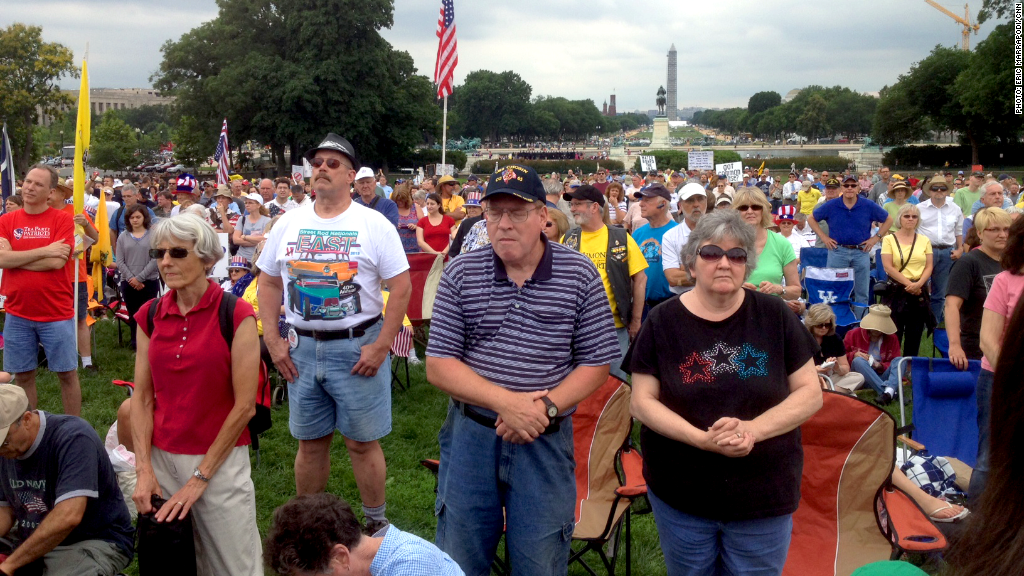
(332, 257)
(618, 259)
(451, 203)
(693, 203)
(941, 222)
(36, 243)
(849, 240)
(654, 206)
(185, 189)
(59, 498)
(521, 333)
(365, 187)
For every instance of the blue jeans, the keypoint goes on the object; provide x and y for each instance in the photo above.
(327, 396)
(877, 382)
(22, 338)
(695, 546)
(860, 261)
(534, 483)
(941, 263)
(980, 475)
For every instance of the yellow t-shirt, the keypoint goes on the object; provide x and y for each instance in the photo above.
(250, 296)
(918, 260)
(452, 204)
(808, 199)
(594, 245)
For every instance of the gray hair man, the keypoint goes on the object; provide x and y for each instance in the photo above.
(693, 204)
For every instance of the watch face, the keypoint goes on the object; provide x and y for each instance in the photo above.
(552, 411)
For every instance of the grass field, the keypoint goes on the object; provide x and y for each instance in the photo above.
(417, 416)
(687, 132)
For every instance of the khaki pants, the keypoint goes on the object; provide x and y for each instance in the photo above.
(86, 557)
(224, 518)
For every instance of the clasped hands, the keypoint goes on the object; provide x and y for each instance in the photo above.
(730, 437)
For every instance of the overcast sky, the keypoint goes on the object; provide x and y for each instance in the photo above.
(727, 49)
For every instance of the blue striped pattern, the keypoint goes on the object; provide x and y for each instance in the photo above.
(527, 338)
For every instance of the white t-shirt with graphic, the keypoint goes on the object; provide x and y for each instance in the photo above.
(332, 268)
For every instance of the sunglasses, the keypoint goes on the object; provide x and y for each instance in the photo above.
(712, 253)
(332, 163)
(549, 224)
(940, 189)
(851, 185)
(178, 253)
(745, 207)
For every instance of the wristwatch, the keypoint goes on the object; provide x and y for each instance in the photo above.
(199, 475)
(552, 409)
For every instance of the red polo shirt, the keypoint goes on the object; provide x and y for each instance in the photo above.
(191, 371)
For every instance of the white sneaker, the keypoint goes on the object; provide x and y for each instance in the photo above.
(414, 360)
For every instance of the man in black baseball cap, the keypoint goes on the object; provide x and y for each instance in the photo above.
(585, 192)
(333, 142)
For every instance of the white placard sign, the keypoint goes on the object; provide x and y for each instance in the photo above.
(220, 269)
(648, 163)
(307, 169)
(444, 170)
(700, 160)
(732, 170)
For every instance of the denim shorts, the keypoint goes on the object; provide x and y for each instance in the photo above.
(22, 338)
(327, 396)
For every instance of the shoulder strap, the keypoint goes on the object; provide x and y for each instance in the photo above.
(373, 202)
(226, 312)
(900, 248)
(151, 314)
(117, 215)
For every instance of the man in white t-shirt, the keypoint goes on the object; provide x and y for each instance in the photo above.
(327, 262)
(693, 203)
(281, 202)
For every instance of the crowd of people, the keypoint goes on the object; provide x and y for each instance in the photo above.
(681, 282)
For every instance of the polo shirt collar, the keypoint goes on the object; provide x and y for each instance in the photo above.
(544, 267)
(171, 305)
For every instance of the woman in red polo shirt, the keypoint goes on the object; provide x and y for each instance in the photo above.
(193, 398)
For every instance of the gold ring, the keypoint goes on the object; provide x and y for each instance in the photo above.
(180, 503)
(738, 435)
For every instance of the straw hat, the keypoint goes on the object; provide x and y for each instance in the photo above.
(879, 317)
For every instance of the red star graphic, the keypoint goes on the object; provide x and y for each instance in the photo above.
(696, 368)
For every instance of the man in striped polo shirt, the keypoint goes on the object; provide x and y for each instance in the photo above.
(521, 332)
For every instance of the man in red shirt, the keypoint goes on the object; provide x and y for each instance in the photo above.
(35, 244)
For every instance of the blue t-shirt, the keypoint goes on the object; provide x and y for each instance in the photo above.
(649, 241)
(66, 461)
(404, 554)
(386, 207)
(850, 226)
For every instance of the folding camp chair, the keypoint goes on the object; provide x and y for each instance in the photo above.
(400, 348)
(945, 406)
(601, 426)
(850, 514)
(425, 273)
(940, 342)
(817, 257)
(833, 286)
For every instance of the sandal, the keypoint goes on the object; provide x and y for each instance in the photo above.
(934, 517)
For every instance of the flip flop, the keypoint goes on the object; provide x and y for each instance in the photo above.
(963, 513)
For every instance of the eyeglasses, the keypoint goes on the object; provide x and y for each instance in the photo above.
(712, 253)
(177, 253)
(940, 189)
(910, 216)
(745, 207)
(518, 215)
(851, 185)
(332, 163)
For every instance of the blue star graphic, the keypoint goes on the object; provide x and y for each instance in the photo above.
(751, 362)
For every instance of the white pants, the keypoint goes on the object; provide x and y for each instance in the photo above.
(224, 518)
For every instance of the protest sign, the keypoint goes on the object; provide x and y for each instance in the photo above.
(648, 163)
(700, 160)
(732, 170)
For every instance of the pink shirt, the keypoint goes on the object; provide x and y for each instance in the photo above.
(1002, 299)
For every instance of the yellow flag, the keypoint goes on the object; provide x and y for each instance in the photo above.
(82, 140)
(761, 169)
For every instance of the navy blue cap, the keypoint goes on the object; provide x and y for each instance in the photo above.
(519, 181)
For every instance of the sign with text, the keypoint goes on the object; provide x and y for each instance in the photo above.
(444, 170)
(220, 269)
(647, 163)
(307, 169)
(732, 170)
(297, 175)
(700, 160)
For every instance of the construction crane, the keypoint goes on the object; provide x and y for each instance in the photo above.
(965, 21)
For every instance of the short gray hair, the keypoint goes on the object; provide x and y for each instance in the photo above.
(553, 187)
(129, 188)
(190, 228)
(716, 226)
(419, 196)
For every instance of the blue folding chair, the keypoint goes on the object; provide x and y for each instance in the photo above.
(945, 406)
(877, 275)
(940, 342)
(817, 257)
(833, 286)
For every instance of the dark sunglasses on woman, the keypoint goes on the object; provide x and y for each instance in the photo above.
(712, 253)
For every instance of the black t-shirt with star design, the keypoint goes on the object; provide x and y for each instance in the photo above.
(737, 367)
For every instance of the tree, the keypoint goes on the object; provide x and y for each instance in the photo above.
(981, 88)
(763, 101)
(284, 72)
(30, 72)
(995, 9)
(191, 144)
(898, 120)
(492, 105)
(113, 143)
(813, 120)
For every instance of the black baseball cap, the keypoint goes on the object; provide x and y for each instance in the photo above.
(653, 190)
(519, 181)
(585, 192)
(334, 142)
(832, 183)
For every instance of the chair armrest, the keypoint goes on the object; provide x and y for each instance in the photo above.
(634, 483)
(916, 446)
(631, 491)
(431, 465)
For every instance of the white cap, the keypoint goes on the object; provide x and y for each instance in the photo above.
(118, 183)
(364, 172)
(690, 190)
(254, 197)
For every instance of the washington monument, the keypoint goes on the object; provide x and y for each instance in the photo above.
(671, 110)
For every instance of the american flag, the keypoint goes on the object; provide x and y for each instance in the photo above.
(6, 169)
(447, 49)
(222, 154)
(403, 342)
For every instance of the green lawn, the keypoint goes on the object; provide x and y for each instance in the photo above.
(417, 416)
(687, 132)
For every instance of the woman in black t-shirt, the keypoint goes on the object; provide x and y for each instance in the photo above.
(722, 378)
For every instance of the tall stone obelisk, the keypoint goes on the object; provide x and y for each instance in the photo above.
(670, 106)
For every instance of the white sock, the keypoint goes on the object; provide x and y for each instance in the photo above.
(890, 391)
(86, 361)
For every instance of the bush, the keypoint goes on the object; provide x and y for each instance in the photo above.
(818, 163)
(423, 156)
(676, 159)
(547, 166)
(958, 157)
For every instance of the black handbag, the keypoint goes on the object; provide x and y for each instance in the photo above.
(892, 288)
(165, 548)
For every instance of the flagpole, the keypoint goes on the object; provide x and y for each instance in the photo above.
(444, 131)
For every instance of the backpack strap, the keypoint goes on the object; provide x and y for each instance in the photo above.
(226, 312)
(151, 314)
